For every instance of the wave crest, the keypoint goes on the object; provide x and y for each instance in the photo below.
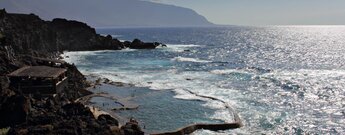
(185, 59)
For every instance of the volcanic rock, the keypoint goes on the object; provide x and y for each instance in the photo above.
(138, 44)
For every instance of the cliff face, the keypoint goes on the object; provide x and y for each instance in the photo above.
(78, 36)
(27, 33)
(22, 34)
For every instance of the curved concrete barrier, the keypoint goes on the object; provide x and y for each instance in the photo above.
(191, 128)
(213, 127)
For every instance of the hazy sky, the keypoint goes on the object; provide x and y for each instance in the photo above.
(267, 12)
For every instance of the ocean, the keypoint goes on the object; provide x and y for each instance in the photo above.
(279, 79)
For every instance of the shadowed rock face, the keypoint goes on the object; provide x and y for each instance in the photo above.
(78, 36)
(106, 119)
(13, 110)
(72, 118)
(28, 32)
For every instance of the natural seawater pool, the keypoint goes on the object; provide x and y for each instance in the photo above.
(154, 107)
(280, 79)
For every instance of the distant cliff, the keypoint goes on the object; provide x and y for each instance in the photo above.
(109, 13)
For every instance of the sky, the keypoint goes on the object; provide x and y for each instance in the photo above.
(267, 12)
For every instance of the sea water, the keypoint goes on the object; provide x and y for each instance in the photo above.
(280, 79)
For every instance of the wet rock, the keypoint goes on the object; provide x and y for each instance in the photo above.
(132, 128)
(115, 130)
(98, 81)
(107, 119)
(138, 44)
(118, 84)
(126, 44)
(106, 80)
(259, 69)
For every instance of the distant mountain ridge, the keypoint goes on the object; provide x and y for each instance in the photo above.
(109, 13)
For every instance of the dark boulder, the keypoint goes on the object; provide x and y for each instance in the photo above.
(126, 44)
(76, 109)
(13, 110)
(132, 128)
(107, 119)
(138, 44)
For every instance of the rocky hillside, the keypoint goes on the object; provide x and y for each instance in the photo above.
(29, 33)
(22, 34)
(28, 40)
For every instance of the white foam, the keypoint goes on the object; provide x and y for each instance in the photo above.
(77, 57)
(207, 132)
(127, 50)
(116, 36)
(113, 36)
(185, 59)
(224, 71)
(199, 82)
(181, 47)
(183, 94)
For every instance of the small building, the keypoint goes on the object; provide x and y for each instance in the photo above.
(39, 80)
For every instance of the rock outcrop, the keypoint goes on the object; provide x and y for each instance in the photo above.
(138, 44)
(26, 40)
(132, 128)
(78, 36)
(14, 110)
(28, 33)
(71, 118)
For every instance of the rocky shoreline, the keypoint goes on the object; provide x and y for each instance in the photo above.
(26, 40)
(126, 103)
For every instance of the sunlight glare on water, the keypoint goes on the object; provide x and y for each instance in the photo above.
(281, 79)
